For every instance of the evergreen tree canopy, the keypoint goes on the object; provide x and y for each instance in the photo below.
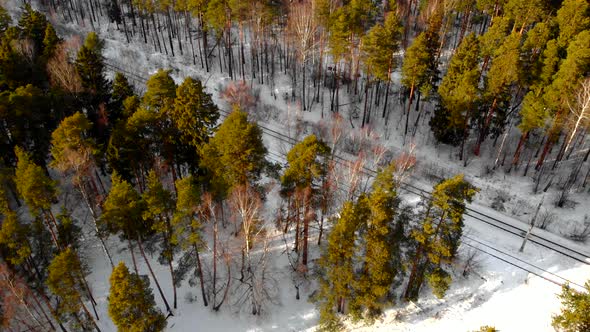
(380, 45)
(121, 91)
(185, 224)
(504, 70)
(525, 12)
(217, 15)
(235, 155)
(32, 25)
(337, 263)
(27, 122)
(439, 234)
(493, 38)
(14, 243)
(72, 151)
(158, 202)
(382, 239)
(572, 18)
(571, 70)
(161, 91)
(443, 227)
(131, 303)
(307, 163)
(5, 20)
(194, 114)
(90, 66)
(35, 187)
(50, 41)
(123, 209)
(416, 65)
(64, 280)
(339, 39)
(458, 91)
(69, 233)
(575, 311)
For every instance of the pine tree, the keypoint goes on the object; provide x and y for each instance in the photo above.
(194, 114)
(158, 128)
(381, 258)
(187, 229)
(14, 240)
(459, 95)
(235, 155)
(524, 13)
(217, 15)
(160, 93)
(565, 82)
(5, 20)
(37, 190)
(50, 42)
(575, 311)
(159, 207)
(337, 264)
(307, 161)
(491, 40)
(72, 152)
(416, 70)
(380, 45)
(32, 25)
(28, 122)
(503, 74)
(487, 328)
(437, 238)
(123, 212)
(65, 280)
(121, 91)
(90, 66)
(572, 18)
(301, 180)
(14, 70)
(68, 232)
(131, 303)
(339, 42)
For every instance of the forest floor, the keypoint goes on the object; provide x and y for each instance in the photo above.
(494, 293)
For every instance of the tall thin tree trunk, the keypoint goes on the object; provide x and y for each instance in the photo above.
(147, 262)
(131, 249)
(408, 111)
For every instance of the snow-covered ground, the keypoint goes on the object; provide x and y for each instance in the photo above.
(495, 293)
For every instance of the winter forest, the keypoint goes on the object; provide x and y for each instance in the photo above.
(301, 165)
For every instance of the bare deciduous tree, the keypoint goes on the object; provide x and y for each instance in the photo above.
(304, 28)
(239, 95)
(61, 69)
(20, 306)
(580, 111)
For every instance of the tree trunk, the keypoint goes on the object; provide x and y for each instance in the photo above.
(201, 279)
(366, 101)
(147, 262)
(89, 315)
(94, 220)
(307, 202)
(483, 132)
(133, 256)
(516, 157)
(408, 111)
